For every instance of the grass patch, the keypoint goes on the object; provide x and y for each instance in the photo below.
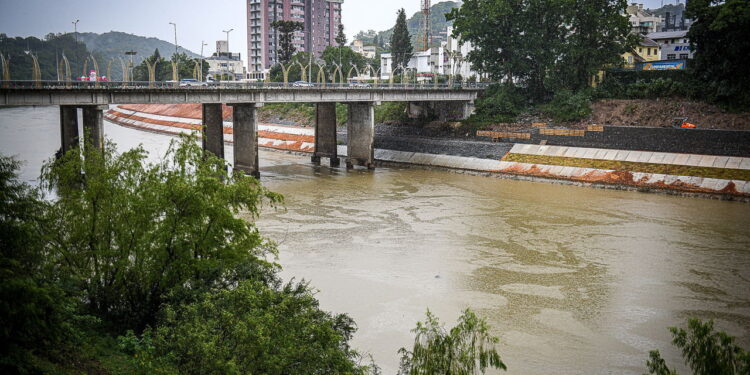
(671, 169)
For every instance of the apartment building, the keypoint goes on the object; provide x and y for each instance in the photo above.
(321, 20)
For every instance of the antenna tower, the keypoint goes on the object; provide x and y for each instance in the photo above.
(425, 32)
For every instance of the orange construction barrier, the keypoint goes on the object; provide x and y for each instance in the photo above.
(687, 125)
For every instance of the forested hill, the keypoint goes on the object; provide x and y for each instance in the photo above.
(673, 9)
(49, 53)
(113, 45)
(438, 24)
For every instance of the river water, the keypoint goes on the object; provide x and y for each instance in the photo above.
(573, 280)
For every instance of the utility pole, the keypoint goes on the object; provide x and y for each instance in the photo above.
(175, 38)
(75, 30)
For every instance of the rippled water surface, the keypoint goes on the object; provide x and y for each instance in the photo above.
(573, 280)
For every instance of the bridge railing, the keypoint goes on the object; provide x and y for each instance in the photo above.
(234, 85)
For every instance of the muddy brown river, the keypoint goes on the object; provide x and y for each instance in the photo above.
(573, 280)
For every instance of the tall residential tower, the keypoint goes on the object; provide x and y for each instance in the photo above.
(321, 19)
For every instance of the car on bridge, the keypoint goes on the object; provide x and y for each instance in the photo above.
(190, 82)
(359, 84)
(302, 84)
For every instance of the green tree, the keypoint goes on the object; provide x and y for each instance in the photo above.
(286, 30)
(706, 352)
(133, 233)
(401, 48)
(341, 37)
(720, 37)
(542, 44)
(466, 349)
(346, 57)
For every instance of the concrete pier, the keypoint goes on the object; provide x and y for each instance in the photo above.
(325, 134)
(213, 129)
(361, 135)
(245, 139)
(93, 126)
(441, 111)
(68, 127)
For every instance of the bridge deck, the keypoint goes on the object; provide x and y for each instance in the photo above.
(17, 96)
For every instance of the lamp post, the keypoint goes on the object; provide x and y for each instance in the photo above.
(203, 44)
(175, 36)
(75, 30)
(229, 54)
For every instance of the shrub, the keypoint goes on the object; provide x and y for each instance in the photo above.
(501, 103)
(391, 111)
(568, 106)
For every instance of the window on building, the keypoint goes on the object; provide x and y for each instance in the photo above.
(671, 56)
(648, 51)
(640, 50)
(683, 56)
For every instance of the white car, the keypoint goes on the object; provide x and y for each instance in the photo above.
(302, 84)
(190, 82)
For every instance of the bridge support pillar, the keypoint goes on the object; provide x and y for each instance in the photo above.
(93, 126)
(325, 134)
(245, 139)
(361, 135)
(68, 128)
(213, 129)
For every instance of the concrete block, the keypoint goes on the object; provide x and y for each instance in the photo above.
(622, 155)
(421, 158)
(681, 159)
(745, 163)
(656, 178)
(578, 172)
(567, 171)
(657, 158)
(560, 151)
(570, 152)
(610, 155)
(706, 161)
(645, 156)
(556, 170)
(590, 152)
(580, 152)
(733, 162)
(695, 181)
(638, 176)
(743, 186)
(693, 160)
(519, 148)
(633, 156)
(547, 150)
(720, 162)
(601, 153)
(492, 165)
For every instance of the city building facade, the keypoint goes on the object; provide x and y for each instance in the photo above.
(641, 21)
(647, 50)
(225, 64)
(674, 45)
(320, 19)
(367, 51)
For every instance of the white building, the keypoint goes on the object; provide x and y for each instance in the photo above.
(367, 51)
(425, 64)
(455, 56)
(223, 62)
(674, 44)
(641, 21)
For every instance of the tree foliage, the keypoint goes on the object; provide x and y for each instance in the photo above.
(706, 352)
(543, 45)
(341, 37)
(163, 72)
(49, 52)
(401, 47)
(720, 37)
(466, 349)
(286, 30)
(156, 252)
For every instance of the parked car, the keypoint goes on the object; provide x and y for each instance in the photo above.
(302, 84)
(359, 84)
(190, 82)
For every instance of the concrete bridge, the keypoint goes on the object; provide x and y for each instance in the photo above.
(93, 98)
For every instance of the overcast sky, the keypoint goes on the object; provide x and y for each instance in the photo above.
(196, 19)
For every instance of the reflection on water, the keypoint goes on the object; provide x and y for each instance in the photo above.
(573, 280)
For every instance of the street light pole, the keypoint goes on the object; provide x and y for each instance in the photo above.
(175, 36)
(229, 54)
(203, 43)
(75, 30)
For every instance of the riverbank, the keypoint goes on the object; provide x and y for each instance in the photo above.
(719, 177)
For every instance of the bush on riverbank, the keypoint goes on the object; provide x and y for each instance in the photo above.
(134, 268)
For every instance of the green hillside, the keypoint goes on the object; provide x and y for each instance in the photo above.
(438, 25)
(113, 45)
(49, 51)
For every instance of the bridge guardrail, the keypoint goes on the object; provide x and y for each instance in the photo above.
(233, 85)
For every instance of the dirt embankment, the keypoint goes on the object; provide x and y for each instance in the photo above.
(662, 113)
